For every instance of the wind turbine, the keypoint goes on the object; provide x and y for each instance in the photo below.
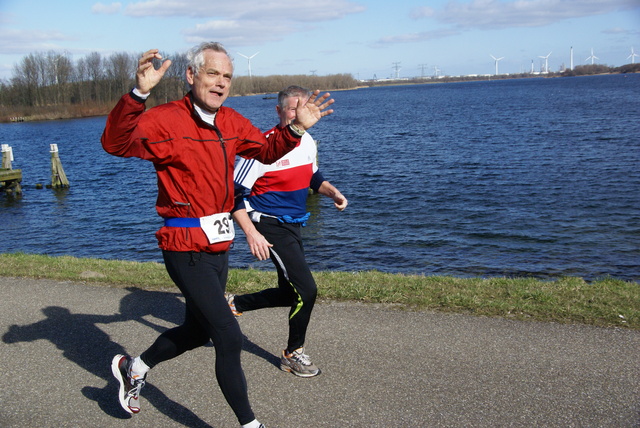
(546, 62)
(571, 57)
(592, 57)
(632, 56)
(249, 60)
(496, 61)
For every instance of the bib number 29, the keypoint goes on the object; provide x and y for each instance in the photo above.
(218, 227)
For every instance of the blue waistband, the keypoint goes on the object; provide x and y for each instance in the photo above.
(182, 222)
(295, 220)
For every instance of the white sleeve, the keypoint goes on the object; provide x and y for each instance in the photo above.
(247, 171)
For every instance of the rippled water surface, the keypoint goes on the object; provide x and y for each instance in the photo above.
(537, 177)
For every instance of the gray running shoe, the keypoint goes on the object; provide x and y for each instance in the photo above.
(230, 300)
(298, 363)
(129, 393)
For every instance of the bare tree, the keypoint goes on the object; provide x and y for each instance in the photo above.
(120, 69)
(58, 79)
(26, 76)
(95, 71)
(82, 81)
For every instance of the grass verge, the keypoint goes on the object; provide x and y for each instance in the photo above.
(606, 302)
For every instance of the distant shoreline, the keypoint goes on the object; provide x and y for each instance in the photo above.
(66, 112)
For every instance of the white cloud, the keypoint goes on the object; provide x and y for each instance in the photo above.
(239, 33)
(499, 14)
(235, 33)
(258, 10)
(422, 12)
(19, 41)
(106, 9)
(415, 37)
(618, 30)
(245, 22)
(496, 14)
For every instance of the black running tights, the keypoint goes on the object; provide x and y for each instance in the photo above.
(296, 286)
(202, 279)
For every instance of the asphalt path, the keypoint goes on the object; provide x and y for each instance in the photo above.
(381, 366)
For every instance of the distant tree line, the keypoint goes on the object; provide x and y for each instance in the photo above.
(52, 82)
(51, 86)
(580, 70)
(584, 70)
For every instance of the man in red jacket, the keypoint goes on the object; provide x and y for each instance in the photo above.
(192, 144)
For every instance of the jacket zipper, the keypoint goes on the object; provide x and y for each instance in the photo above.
(224, 155)
(226, 168)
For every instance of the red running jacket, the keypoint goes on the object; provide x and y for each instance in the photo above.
(193, 160)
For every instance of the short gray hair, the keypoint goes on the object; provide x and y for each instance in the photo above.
(195, 56)
(292, 91)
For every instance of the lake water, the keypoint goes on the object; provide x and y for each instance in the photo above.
(533, 177)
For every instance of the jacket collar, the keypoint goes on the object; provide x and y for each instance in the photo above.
(198, 114)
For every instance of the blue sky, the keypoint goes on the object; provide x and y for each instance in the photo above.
(366, 38)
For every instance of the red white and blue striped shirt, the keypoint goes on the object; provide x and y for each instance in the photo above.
(279, 189)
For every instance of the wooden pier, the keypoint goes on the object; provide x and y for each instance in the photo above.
(10, 179)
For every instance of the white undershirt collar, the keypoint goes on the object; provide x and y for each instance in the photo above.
(205, 115)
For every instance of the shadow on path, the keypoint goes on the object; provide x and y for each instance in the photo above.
(84, 343)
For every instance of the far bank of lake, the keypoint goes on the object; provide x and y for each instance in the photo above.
(62, 112)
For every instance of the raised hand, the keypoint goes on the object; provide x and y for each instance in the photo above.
(309, 113)
(147, 77)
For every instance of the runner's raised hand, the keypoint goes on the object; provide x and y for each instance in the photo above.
(309, 113)
(147, 77)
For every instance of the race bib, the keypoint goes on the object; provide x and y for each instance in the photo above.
(218, 227)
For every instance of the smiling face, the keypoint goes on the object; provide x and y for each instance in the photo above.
(211, 84)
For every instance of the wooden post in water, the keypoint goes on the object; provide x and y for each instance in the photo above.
(7, 156)
(58, 177)
(9, 178)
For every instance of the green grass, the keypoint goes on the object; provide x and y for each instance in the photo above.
(607, 302)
